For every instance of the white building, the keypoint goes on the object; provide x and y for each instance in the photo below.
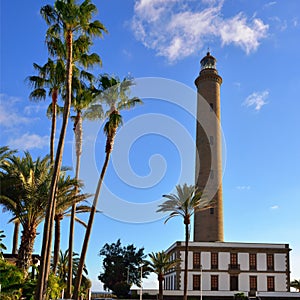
(218, 270)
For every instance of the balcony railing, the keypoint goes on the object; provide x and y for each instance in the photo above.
(233, 266)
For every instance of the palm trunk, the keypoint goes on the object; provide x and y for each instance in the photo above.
(57, 220)
(186, 258)
(108, 150)
(26, 248)
(16, 237)
(160, 286)
(50, 212)
(78, 142)
(53, 124)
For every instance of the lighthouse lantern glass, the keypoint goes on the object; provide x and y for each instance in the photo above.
(208, 63)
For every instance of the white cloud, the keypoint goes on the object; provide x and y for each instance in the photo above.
(257, 99)
(274, 207)
(281, 25)
(176, 30)
(35, 109)
(243, 187)
(29, 141)
(237, 31)
(237, 84)
(9, 117)
(269, 4)
(295, 22)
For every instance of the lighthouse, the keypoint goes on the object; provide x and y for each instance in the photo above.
(208, 224)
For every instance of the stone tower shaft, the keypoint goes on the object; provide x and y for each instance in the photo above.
(208, 224)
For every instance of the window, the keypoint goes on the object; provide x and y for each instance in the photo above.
(214, 282)
(252, 261)
(253, 283)
(196, 260)
(211, 210)
(234, 261)
(214, 260)
(270, 284)
(196, 282)
(270, 262)
(234, 283)
(211, 106)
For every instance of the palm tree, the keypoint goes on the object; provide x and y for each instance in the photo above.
(5, 154)
(2, 246)
(24, 192)
(50, 76)
(66, 19)
(83, 98)
(67, 195)
(296, 284)
(116, 95)
(16, 236)
(183, 204)
(63, 265)
(160, 264)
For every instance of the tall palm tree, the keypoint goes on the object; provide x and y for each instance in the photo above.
(24, 192)
(183, 204)
(115, 94)
(50, 76)
(67, 195)
(83, 105)
(66, 20)
(160, 263)
(296, 284)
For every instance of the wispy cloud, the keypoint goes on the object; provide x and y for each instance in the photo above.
(176, 30)
(29, 141)
(257, 99)
(280, 24)
(240, 32)
(15, 119)
(237, 84)
(9, 116)
(274, 207)
(35, 109)
(243, 187)
(295, 22)
(269, 4)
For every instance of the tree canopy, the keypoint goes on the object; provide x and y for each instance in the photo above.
(122, 267)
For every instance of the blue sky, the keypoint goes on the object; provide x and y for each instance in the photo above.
(160, 43)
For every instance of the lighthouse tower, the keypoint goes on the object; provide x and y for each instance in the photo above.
(208, 224)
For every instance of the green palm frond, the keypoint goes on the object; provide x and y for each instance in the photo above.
(24, 188)
(160, 262)
(184, 202)
(129, 103)
(114, 121)
(59, 110)
(296, 284)
(94, 112)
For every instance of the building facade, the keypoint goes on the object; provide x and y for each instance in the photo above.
(219, 270)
